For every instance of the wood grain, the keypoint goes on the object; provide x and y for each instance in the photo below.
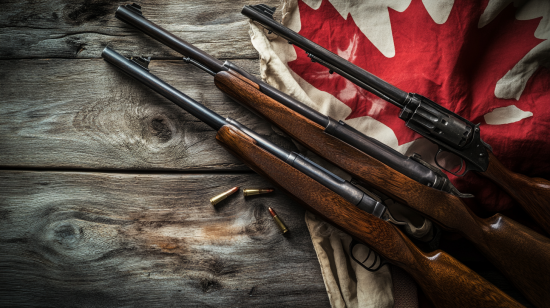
(82, 28)
(533, 194)
(87, 114)
(520, 253)
(447, 282)
(126, 240)
(133, 240)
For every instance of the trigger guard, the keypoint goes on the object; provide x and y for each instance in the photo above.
(462, 165)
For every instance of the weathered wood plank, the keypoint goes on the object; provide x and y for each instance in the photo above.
(63, 113)
(107, 239)
(82, 28)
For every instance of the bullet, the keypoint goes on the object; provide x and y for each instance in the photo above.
(215, 200)
(278, 221)
(256, 191)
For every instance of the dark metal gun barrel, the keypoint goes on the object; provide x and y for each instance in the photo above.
(131, 14)
(397, 95)
(133, 69)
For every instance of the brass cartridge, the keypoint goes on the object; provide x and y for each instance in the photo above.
(256, 191)
(278, 221)
(215, 200)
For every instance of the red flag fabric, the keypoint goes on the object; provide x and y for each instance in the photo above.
(472, 63)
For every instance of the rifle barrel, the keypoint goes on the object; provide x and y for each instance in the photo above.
(132, 14)
(396, 96)
(133, 69)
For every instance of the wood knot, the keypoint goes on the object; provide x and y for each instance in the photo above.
(160, 129)
(78, 12)
(67, 235)
(209, 284)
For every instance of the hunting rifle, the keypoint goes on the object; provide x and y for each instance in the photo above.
(520, 253)
(446, 282)
(449, 131)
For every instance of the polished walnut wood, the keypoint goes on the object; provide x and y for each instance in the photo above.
(533, 194)
(520, 253)
(446, 282)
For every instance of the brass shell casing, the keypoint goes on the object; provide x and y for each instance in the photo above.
(215, 200)
(280, 223)
(256, 191)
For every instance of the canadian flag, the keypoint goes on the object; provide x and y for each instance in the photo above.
(485, 60)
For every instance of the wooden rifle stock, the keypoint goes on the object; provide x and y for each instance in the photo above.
(446, 282)
(533, 194)
(520, 253)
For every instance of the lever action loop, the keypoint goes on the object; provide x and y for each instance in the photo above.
(375, 265)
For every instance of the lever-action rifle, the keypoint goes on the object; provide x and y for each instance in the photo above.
(520, 253)
(447, 282)
(449, 131)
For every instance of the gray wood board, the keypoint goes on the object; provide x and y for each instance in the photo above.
(82, 28)
(109, 239)
(85, 113)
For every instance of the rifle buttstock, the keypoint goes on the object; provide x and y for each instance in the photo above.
(533, 194)
(446, 281)
(504, 237)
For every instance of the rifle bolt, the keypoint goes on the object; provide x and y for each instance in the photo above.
(256, 191)
(278, 221)
(215, 200)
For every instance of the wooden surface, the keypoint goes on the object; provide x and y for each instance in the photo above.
(105, 185)
(111, 239)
